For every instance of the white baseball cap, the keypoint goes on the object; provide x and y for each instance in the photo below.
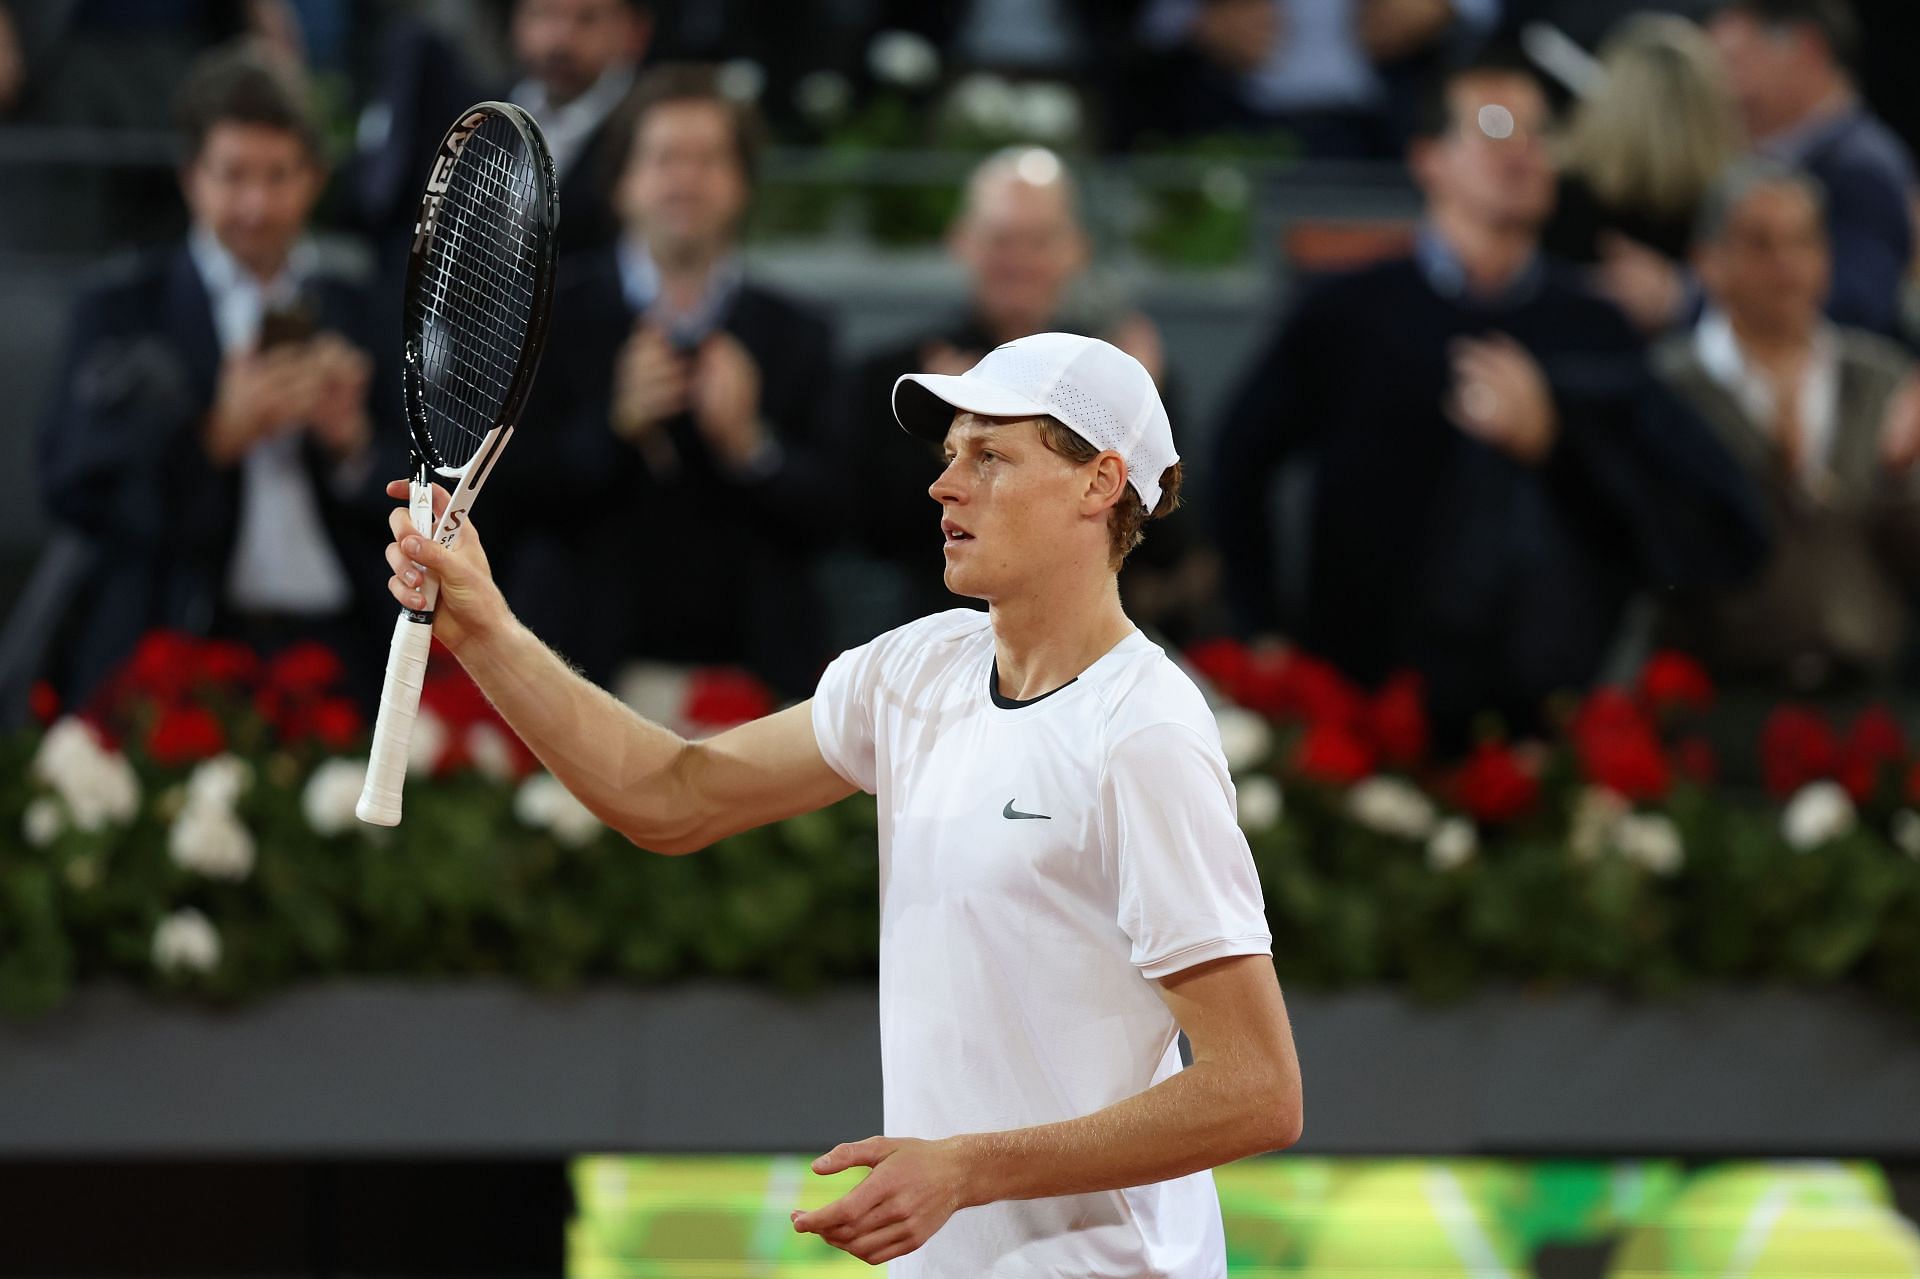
(1093, 388)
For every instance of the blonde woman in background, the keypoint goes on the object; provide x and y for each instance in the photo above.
(1642, 150)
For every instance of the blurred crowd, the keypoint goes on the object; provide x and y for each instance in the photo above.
(1639, 374)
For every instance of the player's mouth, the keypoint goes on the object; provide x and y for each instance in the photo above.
(953, 533)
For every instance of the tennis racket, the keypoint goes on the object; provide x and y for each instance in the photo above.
(479, 287)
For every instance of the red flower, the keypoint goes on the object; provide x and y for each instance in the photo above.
(336, 724)
(1618, 748)
(1674, 681)
(1796, 747)
(719, 698)
(1333, 754)
(1226, 663)
(184, 734)
(160, 667)
(305, 669)
(1696, 760)
(43, 702)
(1876, 737)
(1913, 783)
(1265, 685)
(1397, 719)
(226, 663)
(1493, 786)
(1320, 694)
(451, 694)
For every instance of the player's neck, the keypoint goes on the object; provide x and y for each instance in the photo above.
(1041, 641)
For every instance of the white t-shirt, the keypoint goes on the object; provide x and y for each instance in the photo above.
(1041, 863)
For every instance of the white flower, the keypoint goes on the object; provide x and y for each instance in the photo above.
(97, 785)
(428, 743)
(741, 79)
(904, 58)
(1258, 803)
(1650, 840)
(1048, 112)
(491, 751)
(209, 839)
(1391, 806)
(1821, 812)
(653, 690)
(1906, 832)
(331, 794)
(1225, 187)
(186, 941)
(822, 96)
(44, 820)
(986, 102)
(1595, 815)
(1453, 845)
(544, 804)
(221, 780)
(1245, 738)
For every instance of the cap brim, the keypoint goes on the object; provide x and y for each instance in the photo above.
(924, 403)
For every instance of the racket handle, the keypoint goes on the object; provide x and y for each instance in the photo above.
(393, 731)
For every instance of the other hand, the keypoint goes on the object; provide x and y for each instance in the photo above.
(915, 1186)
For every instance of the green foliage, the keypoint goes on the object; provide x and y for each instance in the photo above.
(466, 888)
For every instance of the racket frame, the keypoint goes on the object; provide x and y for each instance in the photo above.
(380, 798)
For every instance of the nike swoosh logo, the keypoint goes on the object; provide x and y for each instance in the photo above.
(1013, 814)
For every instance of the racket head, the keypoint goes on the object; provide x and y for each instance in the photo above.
(479, 283)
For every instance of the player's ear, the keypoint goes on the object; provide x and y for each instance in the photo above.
(1106, 481)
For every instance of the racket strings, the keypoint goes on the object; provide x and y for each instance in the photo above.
(477, 295)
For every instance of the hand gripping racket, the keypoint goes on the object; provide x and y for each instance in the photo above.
(479, 285)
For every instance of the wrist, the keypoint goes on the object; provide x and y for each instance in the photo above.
(973, 1158)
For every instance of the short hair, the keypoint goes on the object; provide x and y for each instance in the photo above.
(1833, 21)
(1127, 521)
(1433, 113)
(235, 84)
(1740, 181)
(682, 82)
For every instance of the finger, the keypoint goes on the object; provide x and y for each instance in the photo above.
(400, 523)
(894, 1251)
(853, 1154)
(406, 596)
(399, 488)
(848, 1208)
(868, 1246)
(425, 552)
(402, 566)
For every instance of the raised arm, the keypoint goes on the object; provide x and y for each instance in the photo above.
(661, 791)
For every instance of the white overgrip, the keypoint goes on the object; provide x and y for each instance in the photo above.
(393, 730)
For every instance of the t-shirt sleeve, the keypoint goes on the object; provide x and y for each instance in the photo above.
(1188, 892)
(843, 715)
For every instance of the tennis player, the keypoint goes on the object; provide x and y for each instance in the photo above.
(1063, 885)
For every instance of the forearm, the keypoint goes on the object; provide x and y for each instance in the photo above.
(1207, 1115)
(629, 771)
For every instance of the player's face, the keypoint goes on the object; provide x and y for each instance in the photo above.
(252, 186)
(684, 185)
(1012, 510)
(1770, 269)
(568, 44)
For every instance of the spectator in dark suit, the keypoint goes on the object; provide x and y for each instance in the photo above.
(1827, 421)
(1021, 244)
(1494, 470)
(1789, 63)
(689, 476)
(578, 59)
(212, 425)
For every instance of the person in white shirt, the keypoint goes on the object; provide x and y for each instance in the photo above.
(1064, 889)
